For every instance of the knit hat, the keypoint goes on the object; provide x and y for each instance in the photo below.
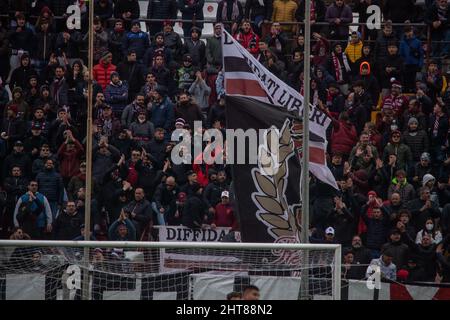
(427, 178)
(180, 121)
(187, 57)
(425, 156)
(114, 73)
(106, 54)
(135, 21)
(412, 120)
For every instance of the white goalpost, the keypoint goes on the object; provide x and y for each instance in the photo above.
(57, 270)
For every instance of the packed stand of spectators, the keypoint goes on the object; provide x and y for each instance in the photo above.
(388, 142)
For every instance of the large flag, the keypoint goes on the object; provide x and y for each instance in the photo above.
(268, 201)
(246, 76)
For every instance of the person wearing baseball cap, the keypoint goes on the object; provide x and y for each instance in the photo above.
(223, 212)
(329, 235)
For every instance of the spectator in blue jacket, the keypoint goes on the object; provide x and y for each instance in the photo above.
(136, 40)
(51, 185)
(162, 109)
(412, 53)
(122, 229)
(116, 94)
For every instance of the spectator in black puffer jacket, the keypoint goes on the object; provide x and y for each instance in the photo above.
(213, 191)
(398, 249)
(377, 227)
(158, 9)
(67, 225)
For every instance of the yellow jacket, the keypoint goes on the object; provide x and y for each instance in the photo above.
(284, 11)
(353, 51)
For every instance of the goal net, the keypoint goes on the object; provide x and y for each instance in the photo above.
(69, 270)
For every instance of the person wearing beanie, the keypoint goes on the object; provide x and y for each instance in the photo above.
(422, 168)
(415, 106)
(416, 139)
(186, 74)
(136, 40)
(364, 73)
(116, 94)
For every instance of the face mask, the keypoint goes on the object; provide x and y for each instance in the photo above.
(429, 226)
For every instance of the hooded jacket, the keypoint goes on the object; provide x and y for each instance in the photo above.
(196, 49)
(401, 150)
(70, 160)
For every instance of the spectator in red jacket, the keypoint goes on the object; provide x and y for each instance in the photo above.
(102, 71)
(224, 215)
(247, 38)
(69, 154)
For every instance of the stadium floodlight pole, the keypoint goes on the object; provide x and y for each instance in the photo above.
(88, 192)
(305, 149)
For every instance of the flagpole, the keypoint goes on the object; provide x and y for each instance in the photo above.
(88, 191)
(305, 157)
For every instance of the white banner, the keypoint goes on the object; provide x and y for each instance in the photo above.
(171, 260)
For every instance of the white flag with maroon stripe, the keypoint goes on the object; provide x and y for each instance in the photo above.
(246, 76)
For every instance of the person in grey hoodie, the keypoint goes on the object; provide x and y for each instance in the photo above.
(200, 91)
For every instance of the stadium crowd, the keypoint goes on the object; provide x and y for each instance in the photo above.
(388, 142)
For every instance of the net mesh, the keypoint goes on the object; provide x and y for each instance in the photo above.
(144, 273)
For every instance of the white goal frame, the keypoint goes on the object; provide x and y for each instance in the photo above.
(336, 248)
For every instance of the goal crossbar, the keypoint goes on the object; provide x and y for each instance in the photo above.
(335, 248)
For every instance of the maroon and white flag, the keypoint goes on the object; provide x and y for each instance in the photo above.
(246, 76)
